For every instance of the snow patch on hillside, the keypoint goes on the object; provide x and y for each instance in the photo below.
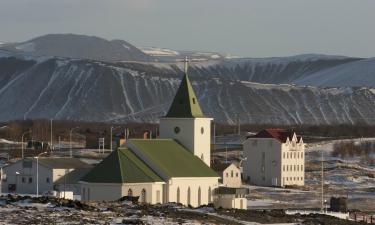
(26, 47)
(153, 51)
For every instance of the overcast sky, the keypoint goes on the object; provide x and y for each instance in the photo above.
(254, 28)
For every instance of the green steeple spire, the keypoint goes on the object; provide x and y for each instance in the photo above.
(185, 104)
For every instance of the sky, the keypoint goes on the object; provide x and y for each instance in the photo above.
(247, 28)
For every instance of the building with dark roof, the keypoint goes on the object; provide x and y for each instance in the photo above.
(59, 174)
(275, 157)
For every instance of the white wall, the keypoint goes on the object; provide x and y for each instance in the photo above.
(190, 134)
(194, 183)
(100, 191)
(23, 184)
(112, 192)
(232, 176)
(230, 202)
(263, 161)
(272, 171)
(293, 164)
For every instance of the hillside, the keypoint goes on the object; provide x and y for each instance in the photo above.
(97, 91)
(78, 46)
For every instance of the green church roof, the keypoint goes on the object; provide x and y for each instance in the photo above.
(171, 158)
(185, 104)
(121, 166)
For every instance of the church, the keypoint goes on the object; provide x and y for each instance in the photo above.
(173, 168)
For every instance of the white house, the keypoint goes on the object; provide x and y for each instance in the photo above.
(230, 174)
(54, 174)
(175, 168)
(275, 157)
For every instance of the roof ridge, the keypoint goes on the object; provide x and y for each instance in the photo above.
(120, 165)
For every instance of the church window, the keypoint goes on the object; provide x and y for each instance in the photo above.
(178, 195)
(199, 196)
(188, 197)
(130, 192)
(202, 130)
(227, 174)
(236, 174)
(193, 100)
(177, 130)
(143, 195)
(231, 173)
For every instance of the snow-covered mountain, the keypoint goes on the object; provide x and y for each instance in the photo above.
(359, 73)
(78, 46)
(100, 91)
(89, 78)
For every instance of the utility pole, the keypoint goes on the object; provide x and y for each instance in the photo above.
(51, 136)
(239, 124)
(70, 141)
(322, 175)
(111, 139)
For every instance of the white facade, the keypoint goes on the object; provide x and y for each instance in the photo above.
(147, 192)
(193, 133)
(21, 177)
(232, 176)
(230, 202)
(273, 163)
(194, 191)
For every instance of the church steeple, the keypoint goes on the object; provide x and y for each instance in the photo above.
(185, 104)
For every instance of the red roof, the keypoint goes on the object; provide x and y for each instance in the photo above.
(277, 133)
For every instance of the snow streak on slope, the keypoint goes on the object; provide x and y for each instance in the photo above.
(97, 91)
(358, 73)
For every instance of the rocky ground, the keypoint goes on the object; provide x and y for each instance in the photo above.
(44, 210)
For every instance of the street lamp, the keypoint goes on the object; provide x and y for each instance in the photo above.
(37, 173)
(70, 140)
(22, 141)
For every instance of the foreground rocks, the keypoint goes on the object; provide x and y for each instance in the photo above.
(16, 209)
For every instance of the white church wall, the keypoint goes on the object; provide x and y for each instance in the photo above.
(151, 191)
(185, 126)
(202, 137)
(100, 191)
(111, 192)
(189, 134)
(192, 183)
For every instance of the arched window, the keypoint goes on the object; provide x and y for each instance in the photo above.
(199, 196)
(143, 195)
(178, 195)
(209, 195)
(188, 196)
(130, 192)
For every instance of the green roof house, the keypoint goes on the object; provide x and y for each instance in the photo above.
(175, 168)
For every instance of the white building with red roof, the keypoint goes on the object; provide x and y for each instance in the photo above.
(275, 157)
